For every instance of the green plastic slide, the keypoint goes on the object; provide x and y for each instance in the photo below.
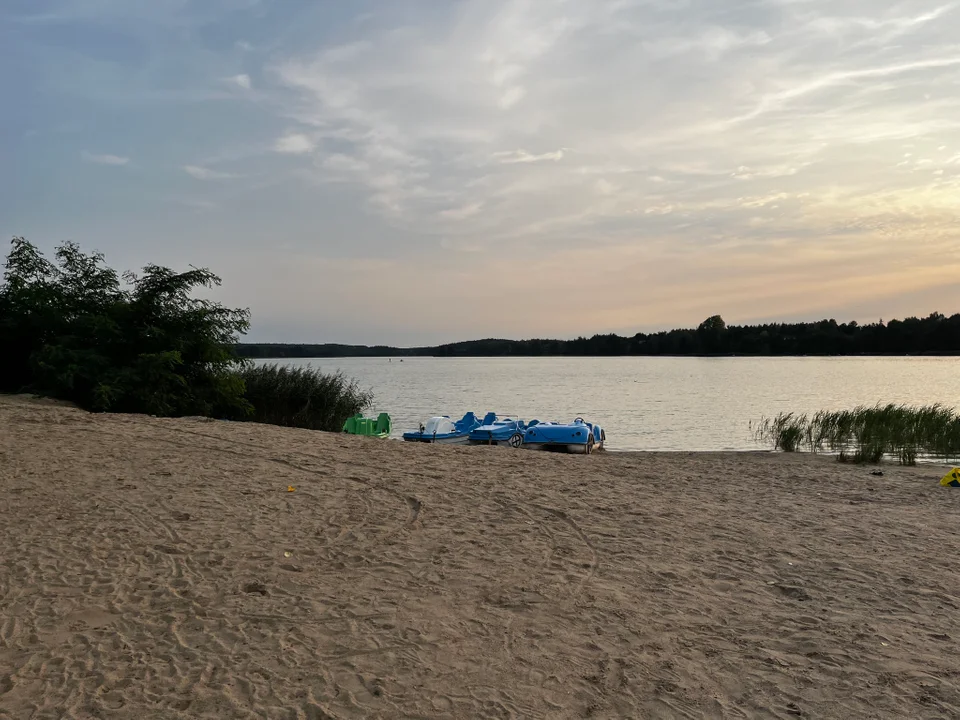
(368, 427)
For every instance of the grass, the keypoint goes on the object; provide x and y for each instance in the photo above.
(868, 434)
(301, 397)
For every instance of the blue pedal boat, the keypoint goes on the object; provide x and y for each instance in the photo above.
(441, 429)
(576, 437)
(500, 432)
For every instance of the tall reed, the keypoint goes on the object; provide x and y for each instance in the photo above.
(301, 397)
(868, 434)
(785, 432)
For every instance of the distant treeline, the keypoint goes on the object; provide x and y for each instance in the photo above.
(932, 335)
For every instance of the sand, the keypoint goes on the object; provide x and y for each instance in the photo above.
(161, 569)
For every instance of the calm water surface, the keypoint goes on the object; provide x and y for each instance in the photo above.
(646, 403)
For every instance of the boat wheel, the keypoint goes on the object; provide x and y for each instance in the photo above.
(516, 440)
(589, 443)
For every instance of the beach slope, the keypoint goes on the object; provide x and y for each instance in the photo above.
(198, 569)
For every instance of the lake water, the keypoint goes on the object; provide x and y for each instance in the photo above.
(646, 403)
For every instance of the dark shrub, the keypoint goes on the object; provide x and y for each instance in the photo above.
(69, 330)
(301, 397)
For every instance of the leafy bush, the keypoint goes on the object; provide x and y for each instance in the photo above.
(69, 330)
(301, 397)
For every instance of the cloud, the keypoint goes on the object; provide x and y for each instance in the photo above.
(672, 106)
(294, 144)
(711, 42)
(462, 213)
(657, 134)
(104, 159)
(202, 173)
(344, 163)
(242, 81)
(522, 156)
(777, 100)
(511, 97)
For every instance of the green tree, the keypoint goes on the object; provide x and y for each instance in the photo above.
(713, 324)
(71, 330)
(711, 334)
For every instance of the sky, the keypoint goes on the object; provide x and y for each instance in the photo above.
(421, 171)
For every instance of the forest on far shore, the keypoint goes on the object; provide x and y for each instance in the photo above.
(935, 334)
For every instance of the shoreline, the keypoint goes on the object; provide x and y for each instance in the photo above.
(921, 461)
(601, 357)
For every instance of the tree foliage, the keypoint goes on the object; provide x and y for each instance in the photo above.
(932, 335)
(71, 329)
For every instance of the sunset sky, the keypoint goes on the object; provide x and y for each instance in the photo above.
(419, 171)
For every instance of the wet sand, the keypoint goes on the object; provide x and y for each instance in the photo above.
(162, 569)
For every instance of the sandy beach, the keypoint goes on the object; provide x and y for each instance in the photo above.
(163, 569)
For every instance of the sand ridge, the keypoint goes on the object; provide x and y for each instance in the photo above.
(160, 568)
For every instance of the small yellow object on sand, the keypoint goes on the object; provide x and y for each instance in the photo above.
(951, 479)
(291, 488)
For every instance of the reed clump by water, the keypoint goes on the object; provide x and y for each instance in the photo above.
(301, 397)
(868, 434)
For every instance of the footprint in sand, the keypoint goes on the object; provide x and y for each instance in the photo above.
(255, 588)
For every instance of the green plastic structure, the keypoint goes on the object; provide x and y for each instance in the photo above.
(368, 427)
